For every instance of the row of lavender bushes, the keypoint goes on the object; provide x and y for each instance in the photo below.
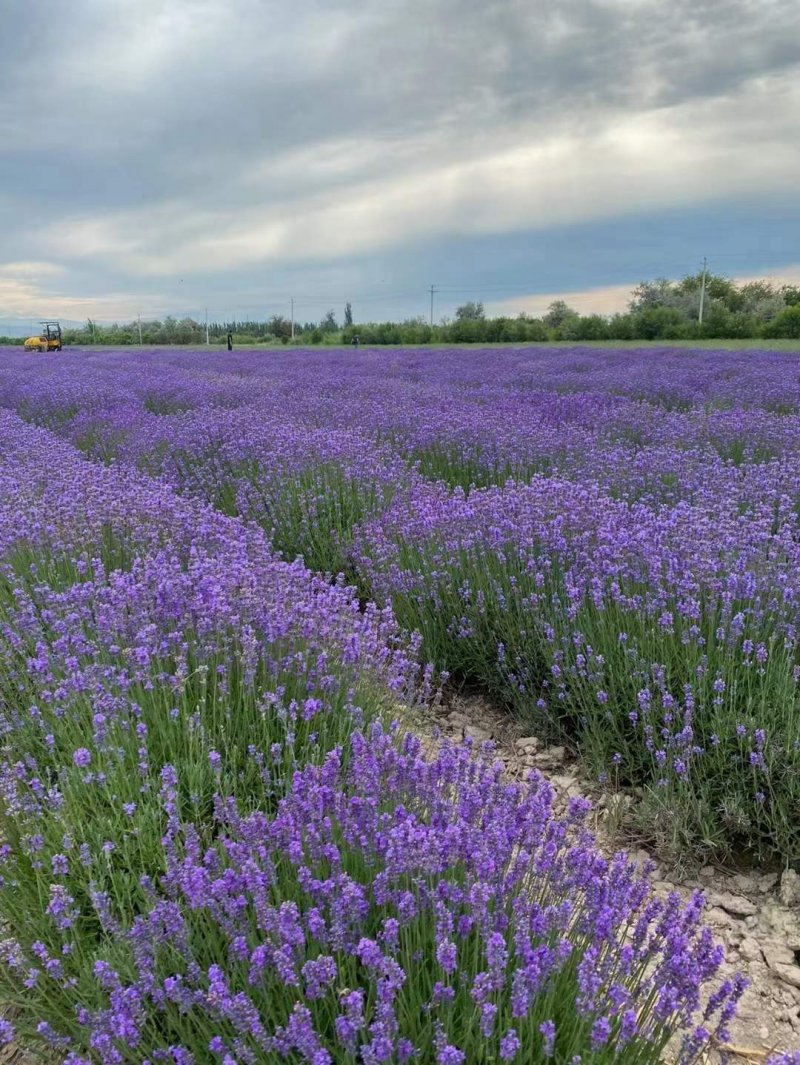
(632, 589)
(216, 846)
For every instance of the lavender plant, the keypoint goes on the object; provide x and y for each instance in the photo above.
(138, 631)
(395, 908)
(669, 666)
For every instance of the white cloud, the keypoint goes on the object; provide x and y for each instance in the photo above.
(27, 292)
(207, 137)
(604, 300)
(783, 275)
(659, 159)
(15, 271)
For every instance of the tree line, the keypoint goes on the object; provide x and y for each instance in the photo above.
(658, 310)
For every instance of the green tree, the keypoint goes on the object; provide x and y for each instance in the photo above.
(717, 288)
(329, 323)
(787, 323)
(558, 313)
(761, 301)
(621, 327)
(279, 327)
(655, 323)
(717, 320)
(592, 327)
(348, 314)
(467, 330)
(658, 293)
(470, 312)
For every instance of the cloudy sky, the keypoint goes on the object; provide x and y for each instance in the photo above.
(173, 155)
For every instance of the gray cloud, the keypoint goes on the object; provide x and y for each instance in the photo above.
(171, 129)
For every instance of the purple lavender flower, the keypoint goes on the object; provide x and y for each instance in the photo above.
(548, 1032)
(510, 1045)
(450, 1055)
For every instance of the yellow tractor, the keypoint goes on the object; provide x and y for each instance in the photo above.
(48, 340)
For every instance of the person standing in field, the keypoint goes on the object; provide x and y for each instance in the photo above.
(230, 340)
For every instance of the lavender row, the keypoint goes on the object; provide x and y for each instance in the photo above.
(644, 555)
(512, 408)
(180, 886)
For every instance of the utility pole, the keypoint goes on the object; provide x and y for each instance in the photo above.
(206, 326)
(139, 323)
(433, 289)
(702, 291)
(292, 317)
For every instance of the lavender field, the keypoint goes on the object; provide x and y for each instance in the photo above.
(228, 584)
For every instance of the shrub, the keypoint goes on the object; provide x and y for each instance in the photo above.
(657, 323)
(650, 639)
(394, 908)
(785, 324)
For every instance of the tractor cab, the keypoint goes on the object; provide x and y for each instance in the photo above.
(48, 340)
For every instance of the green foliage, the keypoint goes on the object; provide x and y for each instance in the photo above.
(329, 323)
(658, 310)
(787, 323)
(558, 313)
(671, 310)
(622, 327)
(279, 327)
(592, 327)
(468, 330)
(470, 312)
(716, 288)
(650, 294)
(657, 323)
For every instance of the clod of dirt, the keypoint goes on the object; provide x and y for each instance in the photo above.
(477, 734)
(790, 974)
(790, 888)
(527, 744)
(550, 758)
(782, 924)
(737, 905)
